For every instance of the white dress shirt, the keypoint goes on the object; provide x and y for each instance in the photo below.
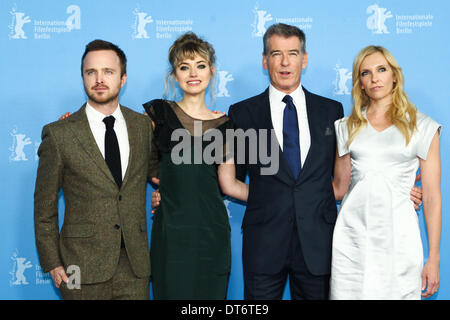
(277, 111)
(98, 129)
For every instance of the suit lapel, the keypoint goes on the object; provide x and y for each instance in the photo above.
(82, 131)
(314, 127)
(263, 118)
(132, 139)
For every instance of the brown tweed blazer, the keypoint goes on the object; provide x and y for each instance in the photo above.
(96, 211)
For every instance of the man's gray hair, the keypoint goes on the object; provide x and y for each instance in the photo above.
(286, 31)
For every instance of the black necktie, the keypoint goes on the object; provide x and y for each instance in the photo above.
(112, 152)
(291, 144)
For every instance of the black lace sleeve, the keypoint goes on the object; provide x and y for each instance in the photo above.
(157, 113)
(155, 109)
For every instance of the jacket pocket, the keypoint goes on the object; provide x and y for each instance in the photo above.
(77, 230)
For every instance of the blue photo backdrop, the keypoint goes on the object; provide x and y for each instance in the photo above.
(41, 47)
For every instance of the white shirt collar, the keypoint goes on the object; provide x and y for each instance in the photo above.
(97, 116)
(277, 95)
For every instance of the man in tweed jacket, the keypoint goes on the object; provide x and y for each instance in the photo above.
(104, 235)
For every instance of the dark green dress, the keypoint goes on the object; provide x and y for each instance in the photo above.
(190, 241)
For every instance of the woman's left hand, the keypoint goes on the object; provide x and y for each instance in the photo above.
(430, 278)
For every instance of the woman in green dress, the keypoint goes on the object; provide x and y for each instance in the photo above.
(190, 242)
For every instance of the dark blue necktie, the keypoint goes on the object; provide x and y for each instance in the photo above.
(112, 152)
(291, 144)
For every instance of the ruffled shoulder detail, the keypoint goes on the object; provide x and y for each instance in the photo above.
(156, 109)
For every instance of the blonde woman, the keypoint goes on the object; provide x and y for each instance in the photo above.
(377, 249)
(190, 243)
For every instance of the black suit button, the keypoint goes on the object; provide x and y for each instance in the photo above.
(117, 227)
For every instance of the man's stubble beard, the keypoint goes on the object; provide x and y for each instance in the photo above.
(102, 102)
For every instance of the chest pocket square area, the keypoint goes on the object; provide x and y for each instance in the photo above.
(328, 131)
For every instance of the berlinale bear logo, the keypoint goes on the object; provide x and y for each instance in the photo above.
(259, 24)
(376, 22)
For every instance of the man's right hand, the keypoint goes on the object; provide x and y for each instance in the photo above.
(58, 275)
(156, 196)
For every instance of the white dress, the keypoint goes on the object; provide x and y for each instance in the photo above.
(377, 250)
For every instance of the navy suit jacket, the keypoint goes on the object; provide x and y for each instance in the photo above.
(276, 201)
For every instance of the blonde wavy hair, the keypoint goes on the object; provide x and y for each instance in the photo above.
(186, 47)
(402, 113)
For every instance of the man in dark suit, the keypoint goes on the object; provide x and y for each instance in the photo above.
(290, 215)
(99, 157)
